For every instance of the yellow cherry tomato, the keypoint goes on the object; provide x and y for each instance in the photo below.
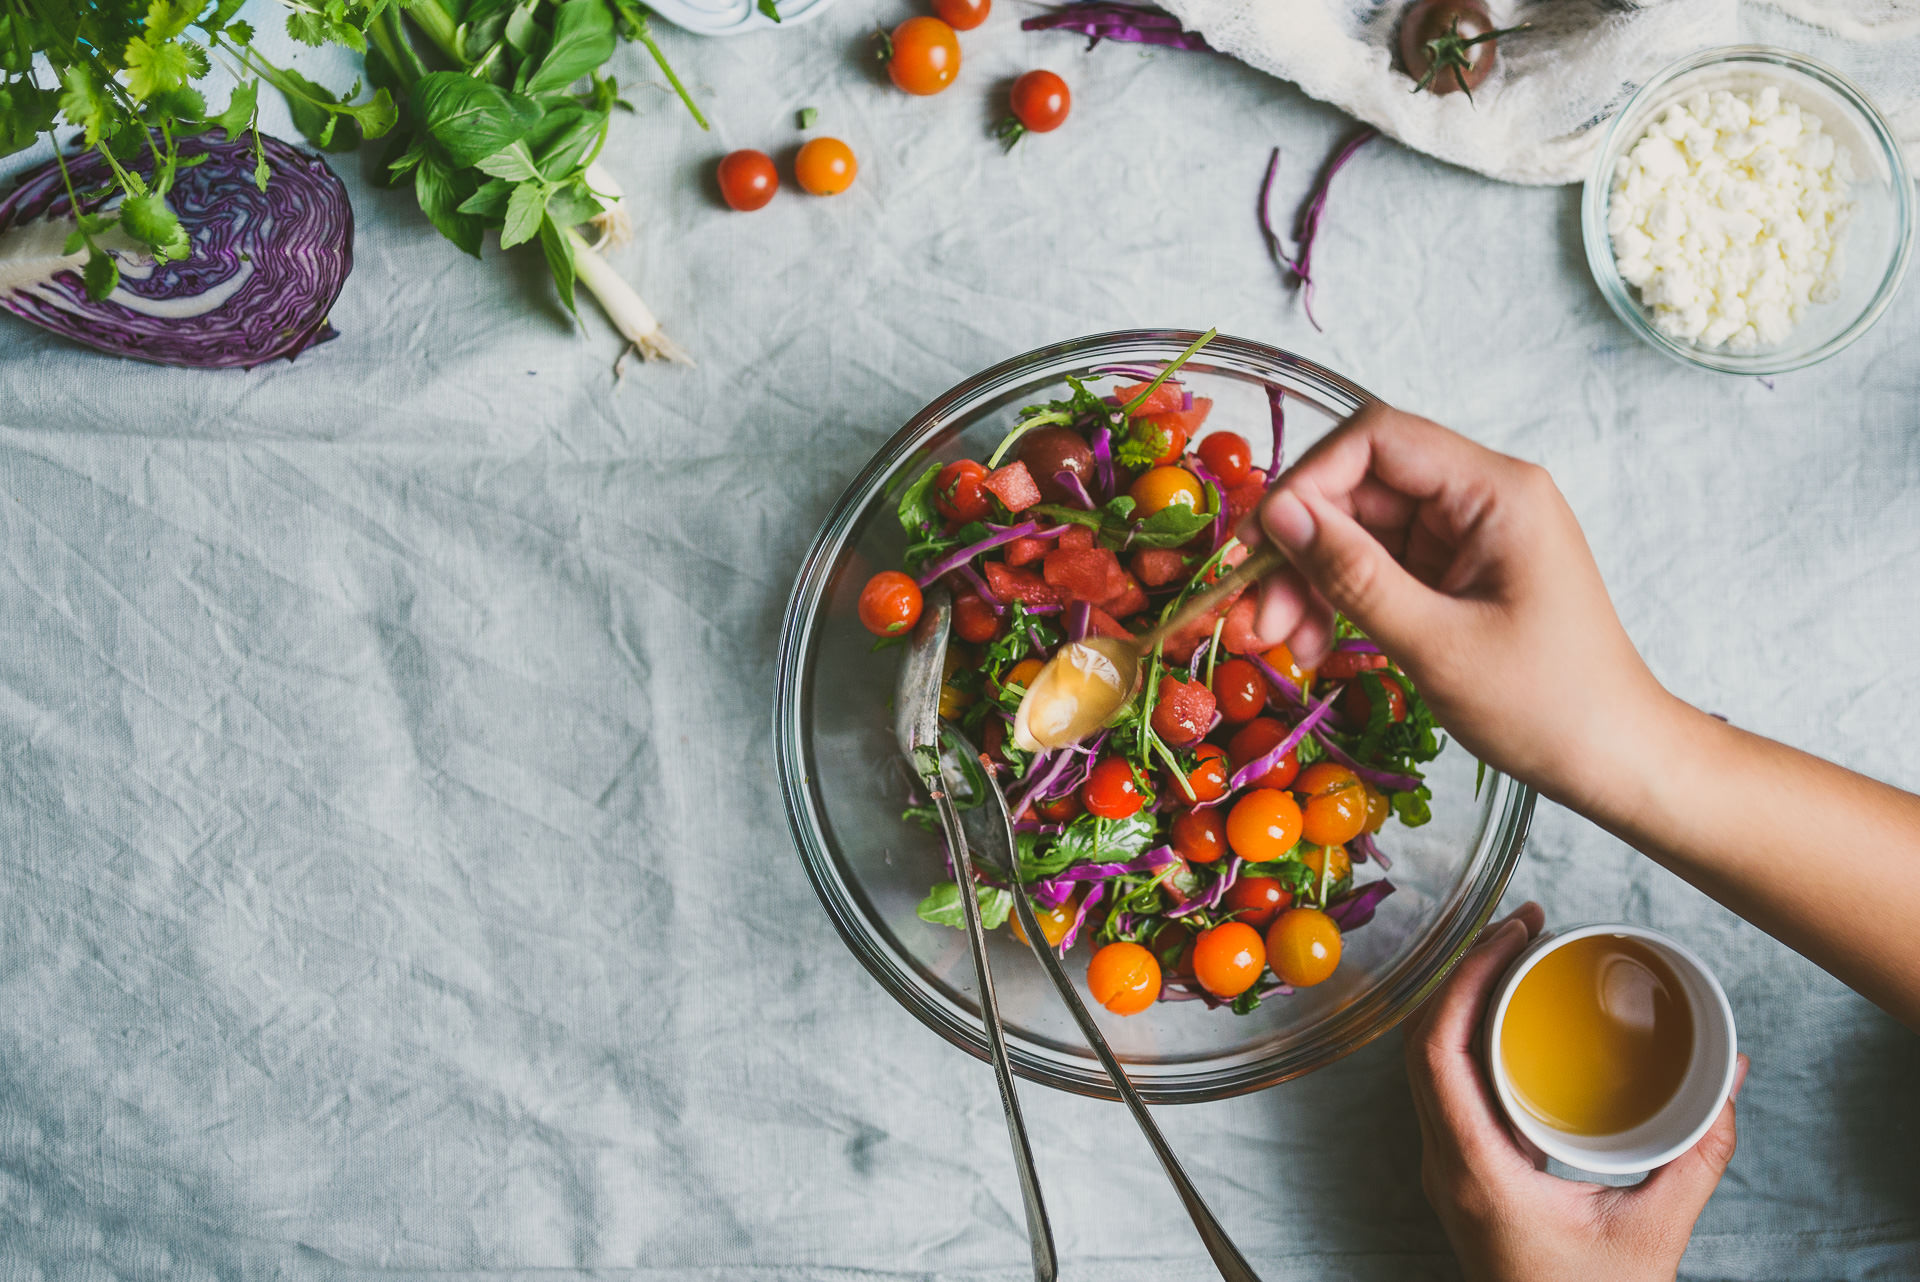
(1303, 946)
(1054, 922)
(1318, 857)
(825, 167)
(1160, 488)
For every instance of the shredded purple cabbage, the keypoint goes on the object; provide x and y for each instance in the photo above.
(1276, 402)
(1277, 681)
(1140, 372)
(1186, 400)
(1260, 765)
(1356, 909)
(1220, 533)
(1076, 490)
(1093, 897)
(1199, 656)
(1128, 23)
(961, 556)
(1378, 778)
(1038, 782)
(1103, 460)
(271, 263)
(1363, 848)
(1357, 645)
(1153, 861)
(1307, 223)
(1079, 615)
(986, 594)
(1211, 899)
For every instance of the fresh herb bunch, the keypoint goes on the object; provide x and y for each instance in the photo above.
(503, 116)
(126, 74)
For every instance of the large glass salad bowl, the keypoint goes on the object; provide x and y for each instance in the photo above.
(845, 784)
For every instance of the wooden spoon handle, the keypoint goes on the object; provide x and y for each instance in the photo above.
(1264, 561)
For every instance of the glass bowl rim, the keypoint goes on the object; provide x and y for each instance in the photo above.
(1361, 1021)
(1595, 196)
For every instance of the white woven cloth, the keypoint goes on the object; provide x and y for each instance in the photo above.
(1535, 120)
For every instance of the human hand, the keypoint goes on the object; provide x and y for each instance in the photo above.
(1470, 571)
(1506, 1217)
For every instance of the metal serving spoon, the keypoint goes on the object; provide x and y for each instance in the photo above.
(995, 827)
(917, 726)
(1086, 682)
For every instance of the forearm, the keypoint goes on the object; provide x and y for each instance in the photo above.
(1825, 860)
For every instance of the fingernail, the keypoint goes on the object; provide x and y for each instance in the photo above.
(1288, 520)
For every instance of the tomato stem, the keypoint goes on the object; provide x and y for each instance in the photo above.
(1449, 53)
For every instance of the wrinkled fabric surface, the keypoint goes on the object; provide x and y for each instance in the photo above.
(395, 879)
(1542, 113)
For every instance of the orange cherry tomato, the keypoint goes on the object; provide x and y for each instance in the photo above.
(748, 179)
(1336, 809)
(825, 166)
(1303, 945)
(1125, 978)
(1111, 791)
(1256, 739)
(1263, 825)
(962, 15)
(1281, 660)
(1256, 900)
(1054, 922)
(1228, 456)
(1040, 101)
(1356, 703)
(1340, 866)
(1228, 959)
(1207, 781)
(1022, 673)
(1239, 691)
(974, 619)
(1379, 809)
(889, 604)
(1161, 488)
(925, 56)
(1200, 836)
(957, 491)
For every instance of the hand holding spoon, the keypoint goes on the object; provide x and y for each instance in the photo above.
(1087, 682)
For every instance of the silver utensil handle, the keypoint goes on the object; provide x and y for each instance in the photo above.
(1046, 1263)
(1226, 1256)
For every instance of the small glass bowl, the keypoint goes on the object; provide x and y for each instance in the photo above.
(1878, 239)
(844, 783)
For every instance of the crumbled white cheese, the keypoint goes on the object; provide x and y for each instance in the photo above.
(1727, 216)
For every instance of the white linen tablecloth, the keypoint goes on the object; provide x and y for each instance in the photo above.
(393, 881)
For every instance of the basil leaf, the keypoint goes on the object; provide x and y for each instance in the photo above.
(559, 252)
(525, 210)
(512, 162)
(471, 119)
(438, 189)
(490, 201)
(582, 41)
(562, 139)
(942, 907)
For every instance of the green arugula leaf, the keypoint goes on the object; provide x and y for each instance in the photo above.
(916, 510)
(582, 41)
(1170, 527)
(1091, 839)
(471, 119)
(525, 208)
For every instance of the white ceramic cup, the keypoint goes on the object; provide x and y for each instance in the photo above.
(1699, 1098)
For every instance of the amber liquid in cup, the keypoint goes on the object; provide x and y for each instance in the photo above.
(1597, 1036)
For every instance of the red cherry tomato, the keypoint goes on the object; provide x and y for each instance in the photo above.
(962, 15)
(1111, 791)
(1239, 691)
(1200, 836)
(1228, 456)
(1256, 900)
(1228, 959)
(1207, 781)
(1123, 977)
(1263, 825)
(1182, 711)
(1041, 101)
(1304, 946)
(1343, 664)
(1336, 809)
(825, 166)
(1256, 739)
(957, 491)
(889, 604)
(1356, 703)
(925, 56)
(748, 179)
(973, 619)
(1059, 810)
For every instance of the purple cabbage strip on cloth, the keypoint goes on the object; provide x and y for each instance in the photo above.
(1128, 23)
(264, 271)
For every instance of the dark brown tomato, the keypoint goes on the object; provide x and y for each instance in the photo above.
(1448, 46)
(1049, 450)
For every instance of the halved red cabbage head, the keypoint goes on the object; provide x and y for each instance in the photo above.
(265, 268)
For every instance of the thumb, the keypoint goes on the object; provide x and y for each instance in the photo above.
(1680, 1189)
(1346, 565)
